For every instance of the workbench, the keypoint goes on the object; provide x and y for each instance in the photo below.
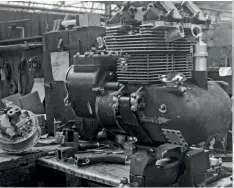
(109, 174)
(17, 169)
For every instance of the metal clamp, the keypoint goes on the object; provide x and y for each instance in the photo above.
(65, 153)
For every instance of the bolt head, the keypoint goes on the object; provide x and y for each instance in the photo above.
(133, 95)
(151, 150)
(133, 108)
(124, 180)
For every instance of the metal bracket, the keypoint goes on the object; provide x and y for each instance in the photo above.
(61, 46)
(174, 137)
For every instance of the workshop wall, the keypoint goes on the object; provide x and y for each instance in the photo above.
(37, 23)
(219, 41)
(14, 58)
(34, 24)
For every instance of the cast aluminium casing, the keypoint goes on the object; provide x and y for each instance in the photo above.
(199, 114)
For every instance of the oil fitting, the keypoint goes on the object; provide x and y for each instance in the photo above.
(199, 73)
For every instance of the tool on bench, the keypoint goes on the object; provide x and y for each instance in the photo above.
(65, 152)
(70, 134)
(106, 157)
(85, 153)
(71, 144)
(90, 145)
(50, 154)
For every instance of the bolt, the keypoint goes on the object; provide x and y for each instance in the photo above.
(151, 5)
(133, 108)
(124, 180)
(182, 89)
(114, 106)
(151, 150)
(133, 95)
(111, 73)
(163, 108)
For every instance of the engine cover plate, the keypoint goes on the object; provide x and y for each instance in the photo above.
(174, 137)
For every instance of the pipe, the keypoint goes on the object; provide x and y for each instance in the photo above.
(199, 73)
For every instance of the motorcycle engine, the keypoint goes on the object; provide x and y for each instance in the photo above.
(149, 79)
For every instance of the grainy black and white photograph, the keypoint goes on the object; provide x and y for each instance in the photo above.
(116, 93)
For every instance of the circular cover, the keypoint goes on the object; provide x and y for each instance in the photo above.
(21, 143)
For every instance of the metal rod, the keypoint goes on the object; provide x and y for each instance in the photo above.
(58, 6)
(37, 8)
(44, 9)
(15, 21)
(21, 39)
(216, 10)
(16, 47)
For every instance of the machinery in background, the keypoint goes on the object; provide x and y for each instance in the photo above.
(148, 79)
